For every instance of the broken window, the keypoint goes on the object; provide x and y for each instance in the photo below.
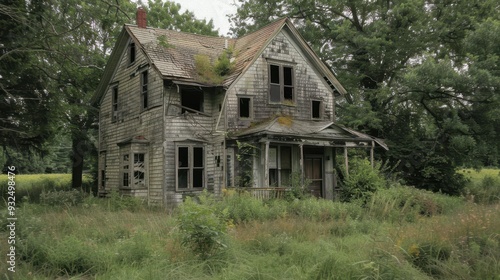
(190, 167)
(133, 169)
(192, 101)
(245, 107)
(281, 84)
(144, 89)
(316, 109)
(139, 169)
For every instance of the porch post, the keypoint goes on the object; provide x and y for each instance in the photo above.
(346, 161)
(266, 165)
(301, 163)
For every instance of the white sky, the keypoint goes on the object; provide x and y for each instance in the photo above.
(211, 9)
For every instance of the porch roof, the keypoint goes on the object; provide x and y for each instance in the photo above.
(308, 129)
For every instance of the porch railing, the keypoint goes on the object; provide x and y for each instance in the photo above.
(263, 193)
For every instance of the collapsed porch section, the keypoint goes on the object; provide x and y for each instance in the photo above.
(281, 152)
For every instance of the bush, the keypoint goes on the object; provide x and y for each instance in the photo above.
(203, 228)
(361, 181)
(486, 190)
(118, 202)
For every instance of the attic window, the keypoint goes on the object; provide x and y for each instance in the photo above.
(281, 84)
(131, 52)
(144, 89)
(316, 109)
(192, 101)
(245, 107)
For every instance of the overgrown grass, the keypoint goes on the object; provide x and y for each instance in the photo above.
(29, 187)
(400, 233)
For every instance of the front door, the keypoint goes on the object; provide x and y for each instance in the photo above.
(313, 166)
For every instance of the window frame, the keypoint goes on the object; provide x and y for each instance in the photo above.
(129, 167)
(190, 167)
(132, 53)
(184, 93)
(250, 107)
(280, 182)
(321, 109)
(144, 89)
(114, 103)
(281, 83)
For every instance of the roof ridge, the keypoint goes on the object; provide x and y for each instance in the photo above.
(183, 32)
(283, 19)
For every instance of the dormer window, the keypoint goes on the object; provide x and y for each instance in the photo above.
(131, 52)
(281, 84)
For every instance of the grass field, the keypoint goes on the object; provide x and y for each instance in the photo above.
(401, 233)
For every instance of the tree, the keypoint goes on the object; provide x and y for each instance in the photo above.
(55, 54)
(414, 72)
(28, 109)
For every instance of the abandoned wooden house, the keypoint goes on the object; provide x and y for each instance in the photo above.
(180, 113)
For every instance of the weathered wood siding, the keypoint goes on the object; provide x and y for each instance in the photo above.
(309, 85)
(192, 128)
(133, 121)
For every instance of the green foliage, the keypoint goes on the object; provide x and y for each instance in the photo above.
(202, 230)
(406, 204)
(214, 73)
(485, 190)
(118, 202)
(245, 157)
(362, 180)
(425, 79)
(61, 198)
(167, 15)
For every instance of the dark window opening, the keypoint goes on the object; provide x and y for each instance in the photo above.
(115, 104)
(316, 109)
(132, 52)
(125, 179)
(190, 167)
(281, 84)
(103, 178)
(244, 107)
(192, 101)
(144, 89)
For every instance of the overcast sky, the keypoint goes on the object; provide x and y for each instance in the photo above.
(211, 9)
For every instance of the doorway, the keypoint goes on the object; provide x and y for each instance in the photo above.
(313, 168)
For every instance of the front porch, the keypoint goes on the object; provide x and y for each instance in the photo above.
(279, 154)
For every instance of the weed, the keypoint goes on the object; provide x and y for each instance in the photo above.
(202, 229)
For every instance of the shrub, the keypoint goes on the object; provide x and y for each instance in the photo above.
(486, 190)
(118, 202)
(362, 180)
(203, 228)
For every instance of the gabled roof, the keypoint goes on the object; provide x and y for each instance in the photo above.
(320, 130)
(173, 53)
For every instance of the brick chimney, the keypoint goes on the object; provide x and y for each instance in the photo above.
(141, 18)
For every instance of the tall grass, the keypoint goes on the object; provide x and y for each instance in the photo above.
(400, 233)
(29, 187)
